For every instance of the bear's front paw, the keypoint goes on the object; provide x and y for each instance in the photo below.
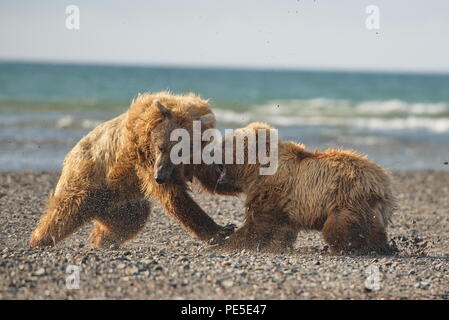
(223, 234)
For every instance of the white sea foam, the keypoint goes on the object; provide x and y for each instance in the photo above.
(65, 122)
(89, 123)
(374, 115)
(395, 106)
(72, 122)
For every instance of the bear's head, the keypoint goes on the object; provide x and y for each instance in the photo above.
(154, 117)
(248, 152)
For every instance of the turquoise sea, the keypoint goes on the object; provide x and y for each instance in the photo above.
(399, 120)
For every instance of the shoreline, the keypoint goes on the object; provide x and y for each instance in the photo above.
(164, 262)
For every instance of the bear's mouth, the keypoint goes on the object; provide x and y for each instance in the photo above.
(222, 172)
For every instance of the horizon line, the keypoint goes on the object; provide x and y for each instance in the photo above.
(312, 69)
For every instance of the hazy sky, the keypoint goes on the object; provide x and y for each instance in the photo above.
(321, 34)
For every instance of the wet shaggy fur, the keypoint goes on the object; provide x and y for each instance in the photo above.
(109, 176)
(341, 193)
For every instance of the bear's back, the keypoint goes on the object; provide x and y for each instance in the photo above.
(322, 176)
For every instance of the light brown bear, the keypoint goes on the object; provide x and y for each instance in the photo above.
(341, 193)
(111, 173)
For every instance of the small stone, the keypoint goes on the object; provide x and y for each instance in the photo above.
(147, 261)
(228, 283)
(39, 272)
(132, 270)
(422, 285)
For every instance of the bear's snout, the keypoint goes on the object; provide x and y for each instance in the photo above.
(162, 178)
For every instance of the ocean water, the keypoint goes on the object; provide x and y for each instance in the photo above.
(399, 120)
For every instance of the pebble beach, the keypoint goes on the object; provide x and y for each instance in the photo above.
(164, 262)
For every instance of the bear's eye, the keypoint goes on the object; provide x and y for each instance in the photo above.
(162, 148)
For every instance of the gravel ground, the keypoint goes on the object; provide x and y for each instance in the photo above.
(164, 262)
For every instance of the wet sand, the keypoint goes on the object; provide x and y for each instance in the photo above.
(164, 262)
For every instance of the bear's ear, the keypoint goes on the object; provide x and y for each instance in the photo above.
(208, 120)
(166, 112)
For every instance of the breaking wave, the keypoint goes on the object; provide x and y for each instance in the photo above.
(374, 115)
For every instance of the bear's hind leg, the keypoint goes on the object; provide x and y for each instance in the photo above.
(64, 215)
(346, 231)
(119, 224)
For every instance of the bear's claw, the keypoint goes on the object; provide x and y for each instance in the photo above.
(221, 236)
